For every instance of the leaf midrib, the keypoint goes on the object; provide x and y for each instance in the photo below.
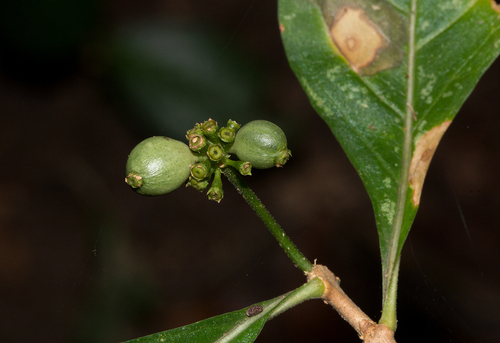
(407, 153)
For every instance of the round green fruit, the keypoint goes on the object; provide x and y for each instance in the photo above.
(158, 165)
(261, 143)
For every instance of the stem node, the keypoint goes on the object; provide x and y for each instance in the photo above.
(367, 329)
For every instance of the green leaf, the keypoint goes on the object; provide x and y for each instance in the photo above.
(388, 77)
(241, 326)
(244, 329)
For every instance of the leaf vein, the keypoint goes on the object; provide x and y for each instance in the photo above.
(401, 9)
(429, 109)
(383, 99)
(429, 38)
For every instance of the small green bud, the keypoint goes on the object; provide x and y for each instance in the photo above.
(215, 194)
(262, 143)
(158, 165)
(196, 130)
(244, 168)
(197, 142)
(215, 191)
(226, 135)
(215, 152)
(201, 170)
(198, 185)
(232, 125)
(210, 128)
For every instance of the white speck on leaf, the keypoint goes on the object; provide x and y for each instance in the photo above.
(388, 210)
(425, 24)
(331, 74)
(449, 5)
(387, 182)
(425, 93)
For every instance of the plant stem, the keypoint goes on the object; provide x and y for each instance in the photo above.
(286, 244)
(388, 317)
(313, 289)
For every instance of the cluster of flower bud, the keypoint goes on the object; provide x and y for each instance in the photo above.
(212, 144)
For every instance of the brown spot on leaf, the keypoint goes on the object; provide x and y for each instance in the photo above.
(370, 37)
(495, 6)
(357, 37)
(254, 310)
(422, 156)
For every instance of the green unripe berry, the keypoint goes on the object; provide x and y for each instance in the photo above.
(158, 165)
(261, 143)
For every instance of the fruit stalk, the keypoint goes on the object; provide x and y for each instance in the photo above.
(285, 242)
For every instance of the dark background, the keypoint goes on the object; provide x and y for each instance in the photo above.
(85, 259)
